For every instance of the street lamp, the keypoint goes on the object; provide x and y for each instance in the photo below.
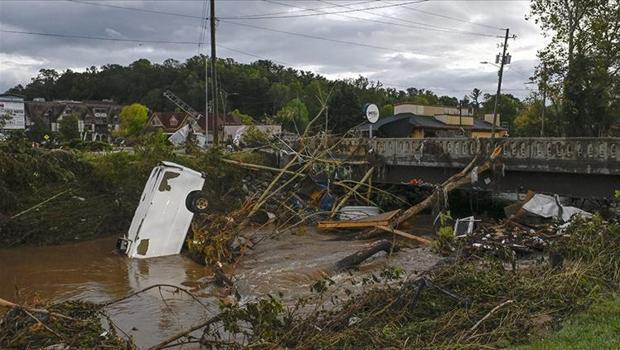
(493, 64)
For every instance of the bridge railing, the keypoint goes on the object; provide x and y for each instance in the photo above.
(598, 155)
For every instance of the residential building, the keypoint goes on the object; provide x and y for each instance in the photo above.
(170, 122)
(97, 120)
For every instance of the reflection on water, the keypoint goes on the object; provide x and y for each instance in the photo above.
(93, 271)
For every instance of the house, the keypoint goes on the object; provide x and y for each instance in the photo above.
(418, 121)
(96, 119)
(170, 122)
(12, 116)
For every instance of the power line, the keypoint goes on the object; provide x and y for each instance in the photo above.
(332, 12)
(452, 18)
(419, 25)
(302, 10)
(140, 41)
(316, 37)
(285, 14)
(224, 19)
(88, 37)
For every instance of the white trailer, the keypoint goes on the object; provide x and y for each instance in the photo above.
(173, 193)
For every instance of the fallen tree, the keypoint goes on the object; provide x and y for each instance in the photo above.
(459, 180)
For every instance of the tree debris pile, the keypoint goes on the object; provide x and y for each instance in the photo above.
(67, 326)
(471, 301)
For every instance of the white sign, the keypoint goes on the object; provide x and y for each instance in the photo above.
(12, 115)
(372, 113)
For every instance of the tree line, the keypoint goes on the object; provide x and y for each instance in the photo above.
(578, 82)
(262, 90)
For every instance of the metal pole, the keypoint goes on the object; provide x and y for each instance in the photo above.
(499, 86)
(206, 102)
(544, 108)
(214, 74)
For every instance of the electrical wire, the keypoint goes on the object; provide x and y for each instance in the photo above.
(451, 18)
(88, 37)
(316, 37)
(418, 25)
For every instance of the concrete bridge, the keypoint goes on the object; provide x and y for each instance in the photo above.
(579, 167)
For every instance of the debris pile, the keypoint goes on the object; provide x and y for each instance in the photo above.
(65, 326)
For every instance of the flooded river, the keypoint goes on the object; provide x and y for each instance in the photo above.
(92, 271)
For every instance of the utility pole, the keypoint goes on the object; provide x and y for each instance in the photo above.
(214, 75)
(206, 102)
(544, 101)
(499, 85)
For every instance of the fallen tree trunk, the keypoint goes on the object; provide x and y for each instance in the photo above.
(456, 181)
(360, 256)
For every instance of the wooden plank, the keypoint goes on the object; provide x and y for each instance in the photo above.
(351, 224)
(403, 234)
(368, 222)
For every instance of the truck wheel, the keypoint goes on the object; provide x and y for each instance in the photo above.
(197, 202)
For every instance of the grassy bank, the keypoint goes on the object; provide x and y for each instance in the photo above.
(86, 195)
(596, 328)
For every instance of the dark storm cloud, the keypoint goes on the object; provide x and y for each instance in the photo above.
(416, 56)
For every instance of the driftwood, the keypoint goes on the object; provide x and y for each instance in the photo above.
(403, 234)
(360, 256)
(39, 204)
(166, 343)
(456, 181)
(11, 305)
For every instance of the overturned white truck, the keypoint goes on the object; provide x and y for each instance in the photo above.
(171, 196)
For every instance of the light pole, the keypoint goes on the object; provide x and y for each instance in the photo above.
(502, 60)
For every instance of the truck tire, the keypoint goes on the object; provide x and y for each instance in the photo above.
(197, 202)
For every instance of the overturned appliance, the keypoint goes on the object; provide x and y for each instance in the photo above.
(173, 193)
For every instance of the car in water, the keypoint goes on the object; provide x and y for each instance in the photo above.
(172, 195)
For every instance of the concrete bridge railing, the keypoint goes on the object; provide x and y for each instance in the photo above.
(565, 155)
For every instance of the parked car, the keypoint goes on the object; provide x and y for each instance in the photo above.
(171, 196)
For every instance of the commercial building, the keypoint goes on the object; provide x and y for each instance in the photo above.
(418, 121)
(12, 116)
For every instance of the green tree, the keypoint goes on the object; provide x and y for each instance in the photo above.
(38, 129)
(475, 96)
(507, 109)
(294, 116)
(581, 62)
(69, 128)
(133, 120)
(387, 110)
(244, 118)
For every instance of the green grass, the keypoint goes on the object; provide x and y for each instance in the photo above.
(597, 328)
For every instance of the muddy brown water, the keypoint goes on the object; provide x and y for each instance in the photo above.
(92, 271)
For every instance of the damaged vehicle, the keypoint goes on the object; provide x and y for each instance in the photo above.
(171, 197)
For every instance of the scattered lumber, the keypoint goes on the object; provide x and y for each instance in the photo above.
(403, 234)
(369, 222)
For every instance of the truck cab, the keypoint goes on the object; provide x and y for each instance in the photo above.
(171, 197)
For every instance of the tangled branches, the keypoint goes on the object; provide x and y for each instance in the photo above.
(475, 302)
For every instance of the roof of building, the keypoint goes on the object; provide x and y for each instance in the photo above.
(11, 96)
(172, 121)
(414, 121)
(52, 110)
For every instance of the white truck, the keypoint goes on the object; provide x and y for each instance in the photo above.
(173, 193)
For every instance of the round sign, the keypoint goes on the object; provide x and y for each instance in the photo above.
(372, 113)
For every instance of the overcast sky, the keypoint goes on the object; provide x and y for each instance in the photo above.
(435, 44)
